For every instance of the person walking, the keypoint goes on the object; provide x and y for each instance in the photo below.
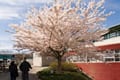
(25, 67)
(13, 70)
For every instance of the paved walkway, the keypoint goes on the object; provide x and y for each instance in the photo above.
(5, 75)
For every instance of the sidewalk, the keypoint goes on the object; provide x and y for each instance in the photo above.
(32, 74)
(36, 69)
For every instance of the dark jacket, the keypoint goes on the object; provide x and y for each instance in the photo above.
(13, 70)
(25, 66)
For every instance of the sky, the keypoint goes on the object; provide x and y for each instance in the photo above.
(13, 11)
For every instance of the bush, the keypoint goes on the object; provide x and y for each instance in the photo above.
(69, 72)
(65, 67)
(47, 75)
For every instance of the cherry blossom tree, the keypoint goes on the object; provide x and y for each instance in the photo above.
(63, 26)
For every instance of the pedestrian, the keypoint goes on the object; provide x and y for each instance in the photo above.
(25, 67)
(13, 70)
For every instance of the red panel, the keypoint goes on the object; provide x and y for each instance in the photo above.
(110, 47)
(101, 71)
(70, 53)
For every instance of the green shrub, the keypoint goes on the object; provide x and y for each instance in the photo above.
(69, 72)
(65, 66)
(47, 75)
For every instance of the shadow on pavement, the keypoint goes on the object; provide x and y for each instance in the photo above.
(5, 76)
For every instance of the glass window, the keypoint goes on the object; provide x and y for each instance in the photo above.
(112, 34)
(118, 33)
(109, 59)
(117, 51)
(105, 36)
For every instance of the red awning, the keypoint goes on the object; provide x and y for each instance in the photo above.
(70, 53)
(109, 47)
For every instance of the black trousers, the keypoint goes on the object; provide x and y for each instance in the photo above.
(12, 77)
(25, 76)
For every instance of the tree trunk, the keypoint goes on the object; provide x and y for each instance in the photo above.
(59, 66)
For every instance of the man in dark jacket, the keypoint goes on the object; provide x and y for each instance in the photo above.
(13, 71)
(25, 67)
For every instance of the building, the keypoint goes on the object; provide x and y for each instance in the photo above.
(108, 49)
(109, 69)
(39, 60)
(110, 44)
(5, 60)
(6, 55)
